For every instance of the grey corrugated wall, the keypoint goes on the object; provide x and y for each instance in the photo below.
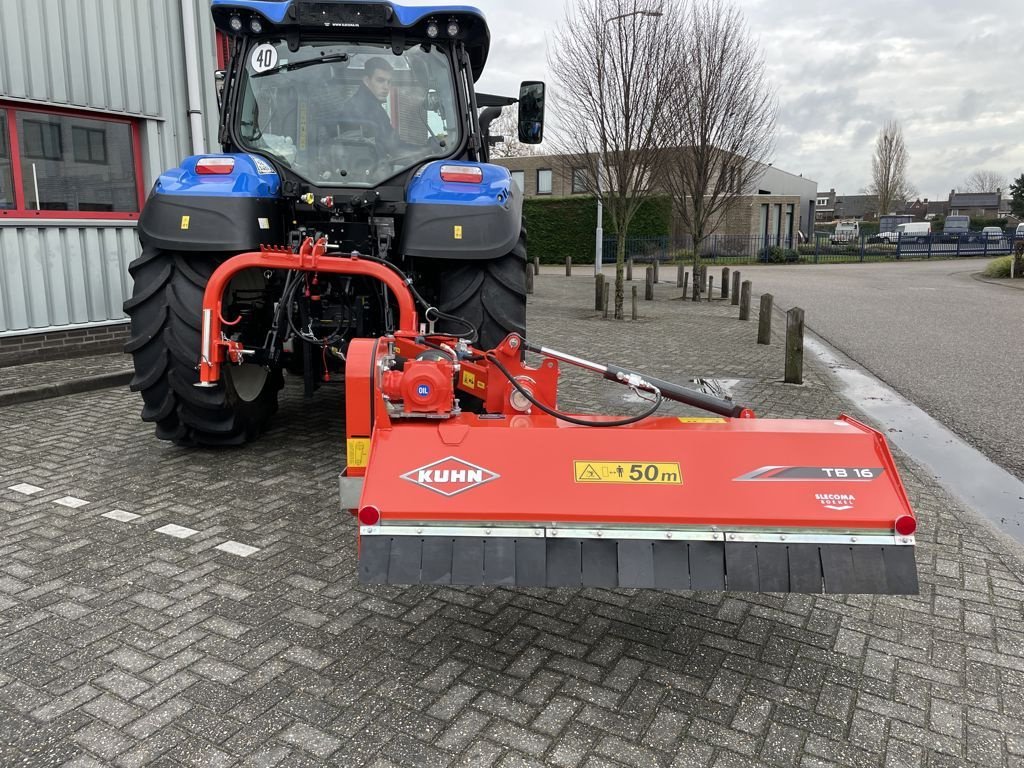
(125, 57)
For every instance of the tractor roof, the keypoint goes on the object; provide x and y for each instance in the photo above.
(340, 16)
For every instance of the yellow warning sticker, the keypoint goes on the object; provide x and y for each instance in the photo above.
(701, 420)
(468, 380)
(358, 451)
(629, 472)
(184, 222)
(458, 231)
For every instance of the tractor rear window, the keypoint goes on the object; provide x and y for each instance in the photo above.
(351, 114)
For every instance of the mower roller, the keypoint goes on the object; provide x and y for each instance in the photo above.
(519, 493)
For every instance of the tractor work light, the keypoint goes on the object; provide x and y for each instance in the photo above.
(215, 166)
(467, 174)
(453, 28)
(432, 30)
(256, 25)
(235, 24)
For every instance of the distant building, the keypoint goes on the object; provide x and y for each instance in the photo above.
(785, 202)
(856, 207)
(918, 209)
(825, 207)
(974, 203)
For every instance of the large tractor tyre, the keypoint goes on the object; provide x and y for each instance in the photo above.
(489, 294)
(166, 311)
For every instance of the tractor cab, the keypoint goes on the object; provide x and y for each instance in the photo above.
(340, 95)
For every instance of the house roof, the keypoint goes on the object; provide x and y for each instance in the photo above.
(974, 200)
(854, 206)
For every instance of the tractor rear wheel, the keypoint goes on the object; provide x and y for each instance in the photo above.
(166, 311)
(489, 294)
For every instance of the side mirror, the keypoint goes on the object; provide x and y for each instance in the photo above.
(531, 112)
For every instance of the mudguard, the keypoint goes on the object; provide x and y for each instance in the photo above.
(459, 220)
(237, 211)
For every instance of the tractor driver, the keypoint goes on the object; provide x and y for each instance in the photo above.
(365, 110)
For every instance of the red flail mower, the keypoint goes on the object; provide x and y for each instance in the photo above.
(461, 469)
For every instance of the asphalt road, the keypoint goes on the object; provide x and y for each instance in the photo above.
(952, 344)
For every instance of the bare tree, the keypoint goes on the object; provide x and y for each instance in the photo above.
(507, 127)
(612, 64)
(984, 181)
(719, 132)
(889, 182)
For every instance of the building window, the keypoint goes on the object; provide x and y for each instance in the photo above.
(579, 181)
(42, 140)
(89, 144)
(544, 181)
(68, 165)
(519, 178)
(823, 202)
(6, 177)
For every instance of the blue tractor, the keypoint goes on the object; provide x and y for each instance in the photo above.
(352, 123)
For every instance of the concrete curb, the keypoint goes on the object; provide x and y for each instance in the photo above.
(1018, 284)
(60, 389)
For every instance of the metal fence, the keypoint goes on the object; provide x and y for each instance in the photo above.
(823, 247)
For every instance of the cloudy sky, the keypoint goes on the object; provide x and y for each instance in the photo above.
(944, 68)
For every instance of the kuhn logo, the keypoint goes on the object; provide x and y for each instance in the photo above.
(836, 501)
(450, 476)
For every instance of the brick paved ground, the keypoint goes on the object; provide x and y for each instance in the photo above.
(57, 371)
(120, 645)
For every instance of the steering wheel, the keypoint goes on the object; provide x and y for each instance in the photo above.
(357, 156)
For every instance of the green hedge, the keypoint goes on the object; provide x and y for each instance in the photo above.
(564, 226)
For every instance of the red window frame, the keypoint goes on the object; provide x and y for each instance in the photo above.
(20, 211)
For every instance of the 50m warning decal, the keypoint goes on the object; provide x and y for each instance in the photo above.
(628, 472)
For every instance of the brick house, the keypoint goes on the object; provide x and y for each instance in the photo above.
(974, 203)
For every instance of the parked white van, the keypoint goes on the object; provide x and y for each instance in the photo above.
(911, 231)
(846, 232)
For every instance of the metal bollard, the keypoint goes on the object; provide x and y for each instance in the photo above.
(529, 279)
(657, 266)
(681, 277)
(649, 288)
(636, 314)
(745, 290)
(686, 281)
(711, 286)
(598, 292)
(536, 265)
(764, 320)
(629, 269)
(795, 346)
(725, 282)
(568, 266)
(736, 287)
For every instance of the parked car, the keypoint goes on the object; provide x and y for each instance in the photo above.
(909, 232)
(1019, 233)
(992, 234)
(846, 232)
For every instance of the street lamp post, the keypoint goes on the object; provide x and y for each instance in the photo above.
(599, 232)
